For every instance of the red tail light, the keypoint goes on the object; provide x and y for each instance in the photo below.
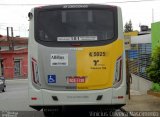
(33, 98)
(120, 97)
(35, 75)
(118, 71)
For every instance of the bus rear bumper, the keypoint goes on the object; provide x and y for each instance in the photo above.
(110, 96)
(79, 107)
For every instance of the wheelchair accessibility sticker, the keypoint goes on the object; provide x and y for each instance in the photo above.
(51, 79)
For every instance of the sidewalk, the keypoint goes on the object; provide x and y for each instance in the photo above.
(142, 102)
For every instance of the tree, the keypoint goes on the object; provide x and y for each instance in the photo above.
(128, 26)
(153, 71)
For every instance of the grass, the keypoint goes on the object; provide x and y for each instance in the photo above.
(155, 87)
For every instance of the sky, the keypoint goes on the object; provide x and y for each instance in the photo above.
(14, 13)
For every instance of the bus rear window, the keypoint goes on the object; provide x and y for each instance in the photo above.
(74, 25)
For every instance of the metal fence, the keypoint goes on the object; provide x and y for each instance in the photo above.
(139, 58)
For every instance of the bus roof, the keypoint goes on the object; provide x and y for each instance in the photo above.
(76, 6)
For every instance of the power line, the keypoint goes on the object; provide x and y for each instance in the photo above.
(6, 29)
(127, 1)
(2, 28)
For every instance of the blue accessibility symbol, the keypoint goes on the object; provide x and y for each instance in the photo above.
(51, 78)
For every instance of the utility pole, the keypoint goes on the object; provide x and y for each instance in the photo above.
(152, 15)
(128, 77)
(10, 38)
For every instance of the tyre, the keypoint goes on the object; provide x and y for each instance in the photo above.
(52, 111)
(4, 89)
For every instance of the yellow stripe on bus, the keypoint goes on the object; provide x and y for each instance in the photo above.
(97, 65)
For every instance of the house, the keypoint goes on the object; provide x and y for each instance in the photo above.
(138, 50)
(155, 34)
(140, 54)
(13, 57)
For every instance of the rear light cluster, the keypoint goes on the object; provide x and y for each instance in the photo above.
(35, 74)
(33, 98)
(118, 72)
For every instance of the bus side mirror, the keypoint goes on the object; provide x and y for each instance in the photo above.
(30, 16)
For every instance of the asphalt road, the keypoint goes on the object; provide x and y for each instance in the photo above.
(14, 102)
(15, 97)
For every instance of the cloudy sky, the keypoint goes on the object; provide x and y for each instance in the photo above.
(14, 12)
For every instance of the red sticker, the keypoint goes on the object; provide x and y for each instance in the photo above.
(76, 79)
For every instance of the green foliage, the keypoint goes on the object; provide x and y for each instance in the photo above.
(128, 26)
(155, 87)
(153, 71)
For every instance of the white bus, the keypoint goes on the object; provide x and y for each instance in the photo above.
(76, 56)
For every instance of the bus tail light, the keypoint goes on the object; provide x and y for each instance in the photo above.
(35, 75)
(33, 98)
(119, 97)
(118, 72)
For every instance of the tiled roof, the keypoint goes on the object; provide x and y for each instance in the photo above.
(16, 40)
(15, 51)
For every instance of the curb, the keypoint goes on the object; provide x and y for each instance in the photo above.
(150, 92)
(10, 80)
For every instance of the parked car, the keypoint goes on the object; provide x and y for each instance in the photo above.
(2, 84)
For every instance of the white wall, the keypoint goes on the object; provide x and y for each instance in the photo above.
(141, 39)
(140, 84)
